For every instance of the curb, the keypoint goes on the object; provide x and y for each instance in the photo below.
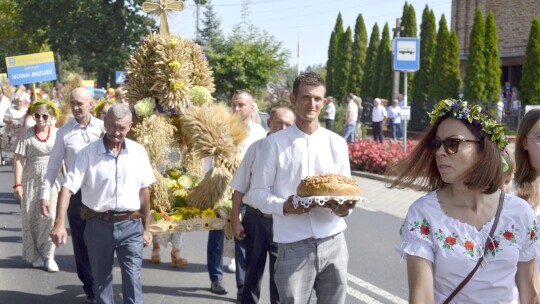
(369, 175)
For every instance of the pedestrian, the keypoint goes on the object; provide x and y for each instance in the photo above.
(329, 113)
(351, 116)
(466, 220)
(378, 119)
(242, 104)
(359, 132)
(13, 120)
(312, 251)
(120, 95)
(394, 114)
(71, 138)
(255, 229)
(500, 110)
(31, 157)
(114, 174)
(5, 104)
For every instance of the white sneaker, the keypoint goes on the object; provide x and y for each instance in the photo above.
(232, 265)
(38, 263)
(51, 266)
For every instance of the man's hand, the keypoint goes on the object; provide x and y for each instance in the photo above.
(147, 238)
(238, 229)
(58, 234)
(340, 209)
(45, 207)
(288, 207)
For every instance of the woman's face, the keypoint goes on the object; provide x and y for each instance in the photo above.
(43, 117)
(531, 144)
(454, 167)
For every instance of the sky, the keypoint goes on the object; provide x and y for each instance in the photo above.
(310, 22)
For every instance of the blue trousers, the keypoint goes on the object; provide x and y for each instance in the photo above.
(126, 239)
(214, 256)
(396, 131)
(349, 131)
(80, 251)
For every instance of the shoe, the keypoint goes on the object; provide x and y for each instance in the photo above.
(51, 266)
(176, 259)
(90, 300)
(232, 265)
(239, 294)
(155, 258)
(218, 288)
(38, 263)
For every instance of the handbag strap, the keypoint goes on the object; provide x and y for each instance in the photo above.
(481, 259)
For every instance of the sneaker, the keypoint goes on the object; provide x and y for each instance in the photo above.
(51, 266)
(218, 288)
(38, 263)
(232, 265)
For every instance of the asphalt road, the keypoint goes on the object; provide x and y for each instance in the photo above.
(375, 272)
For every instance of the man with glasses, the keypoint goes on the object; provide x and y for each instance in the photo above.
(71, 138)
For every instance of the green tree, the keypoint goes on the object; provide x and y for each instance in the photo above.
(420, 87)
(492, 67)
(443, 79)
(343, 66)
(530, 83)
(248, 59)
(371, 59)
(333, 55)
(101, 33)
(210, 33)
(474, 81)
(454, 75)
(358, 57)
(380, 75)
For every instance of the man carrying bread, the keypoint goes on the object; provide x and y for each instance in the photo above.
(312, 251)
(256, 227)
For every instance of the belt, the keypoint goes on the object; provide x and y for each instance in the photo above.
(258, 212)
(119, 217)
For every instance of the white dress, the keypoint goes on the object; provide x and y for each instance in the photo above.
(454, 248)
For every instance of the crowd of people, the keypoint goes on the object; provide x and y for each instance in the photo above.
(481, 205)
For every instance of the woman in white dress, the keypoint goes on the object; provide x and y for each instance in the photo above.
(447, 232)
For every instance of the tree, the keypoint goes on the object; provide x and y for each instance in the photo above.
(380, 76)
(443, 79)
(530, 84)
(101, 33)
(492, 67)
(343, 66)
(454, 75)
(420, 83)
(475, 69)
(248, 59)
(358, 56)
(371, 58)
(211, 32)
(333, 54)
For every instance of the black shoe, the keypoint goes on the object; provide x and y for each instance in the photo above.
(90, 300)
(218, 288)
(239, 294)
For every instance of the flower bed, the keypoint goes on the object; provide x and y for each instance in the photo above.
(374, 157)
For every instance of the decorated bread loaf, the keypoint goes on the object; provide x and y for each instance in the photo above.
(328, 185)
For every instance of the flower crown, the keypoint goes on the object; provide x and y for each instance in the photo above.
(473, 115)
(51, 105)
(100, 104)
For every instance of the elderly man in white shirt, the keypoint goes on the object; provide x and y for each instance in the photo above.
(114, 175)
(71, 138)
(304, 236)
(378, 119)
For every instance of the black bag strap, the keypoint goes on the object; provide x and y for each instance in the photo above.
(486, 246)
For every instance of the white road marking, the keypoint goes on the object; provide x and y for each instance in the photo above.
(372, 288)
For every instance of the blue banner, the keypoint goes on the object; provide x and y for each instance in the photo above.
(32, 68)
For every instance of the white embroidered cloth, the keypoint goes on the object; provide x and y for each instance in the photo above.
(321, 200)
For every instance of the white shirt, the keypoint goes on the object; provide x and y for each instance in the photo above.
(378, 113)
(4, 105)
(394, 113)
(256, 132)
(242, 178)
(70, 139)
(454, 248)
(352, 109)
(109, 182)
(330, 112)
(286, 158)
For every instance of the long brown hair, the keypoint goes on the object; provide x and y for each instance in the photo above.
(526, 177)
(419, 169)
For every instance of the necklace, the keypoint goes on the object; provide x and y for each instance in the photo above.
(46, 138)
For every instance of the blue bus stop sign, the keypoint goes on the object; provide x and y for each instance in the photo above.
(406, 54)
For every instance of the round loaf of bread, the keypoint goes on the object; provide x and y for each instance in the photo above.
(328, 185)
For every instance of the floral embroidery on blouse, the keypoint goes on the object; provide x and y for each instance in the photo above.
(448, 241)
(493, 247)
(423, 227)
(471, 248)
(532, 232)
(510, 235)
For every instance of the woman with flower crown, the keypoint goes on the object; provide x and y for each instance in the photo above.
(465, 221)
(31, 158)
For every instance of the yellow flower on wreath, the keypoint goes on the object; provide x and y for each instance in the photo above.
(209, 213)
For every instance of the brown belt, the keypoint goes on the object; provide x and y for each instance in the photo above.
(87, 213)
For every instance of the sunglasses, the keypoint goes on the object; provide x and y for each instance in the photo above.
(451, 145)
(41, 116)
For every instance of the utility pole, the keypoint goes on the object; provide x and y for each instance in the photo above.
(395, 83)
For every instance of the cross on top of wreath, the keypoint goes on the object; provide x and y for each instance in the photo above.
(161, 8)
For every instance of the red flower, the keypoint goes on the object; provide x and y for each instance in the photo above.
(508, 235)
(469, 245)
(533, 234)
(450, 240)
(424, 230)
(493, 245)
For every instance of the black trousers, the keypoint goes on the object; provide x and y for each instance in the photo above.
(377, 131)
(77, 225)
(258, 243)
